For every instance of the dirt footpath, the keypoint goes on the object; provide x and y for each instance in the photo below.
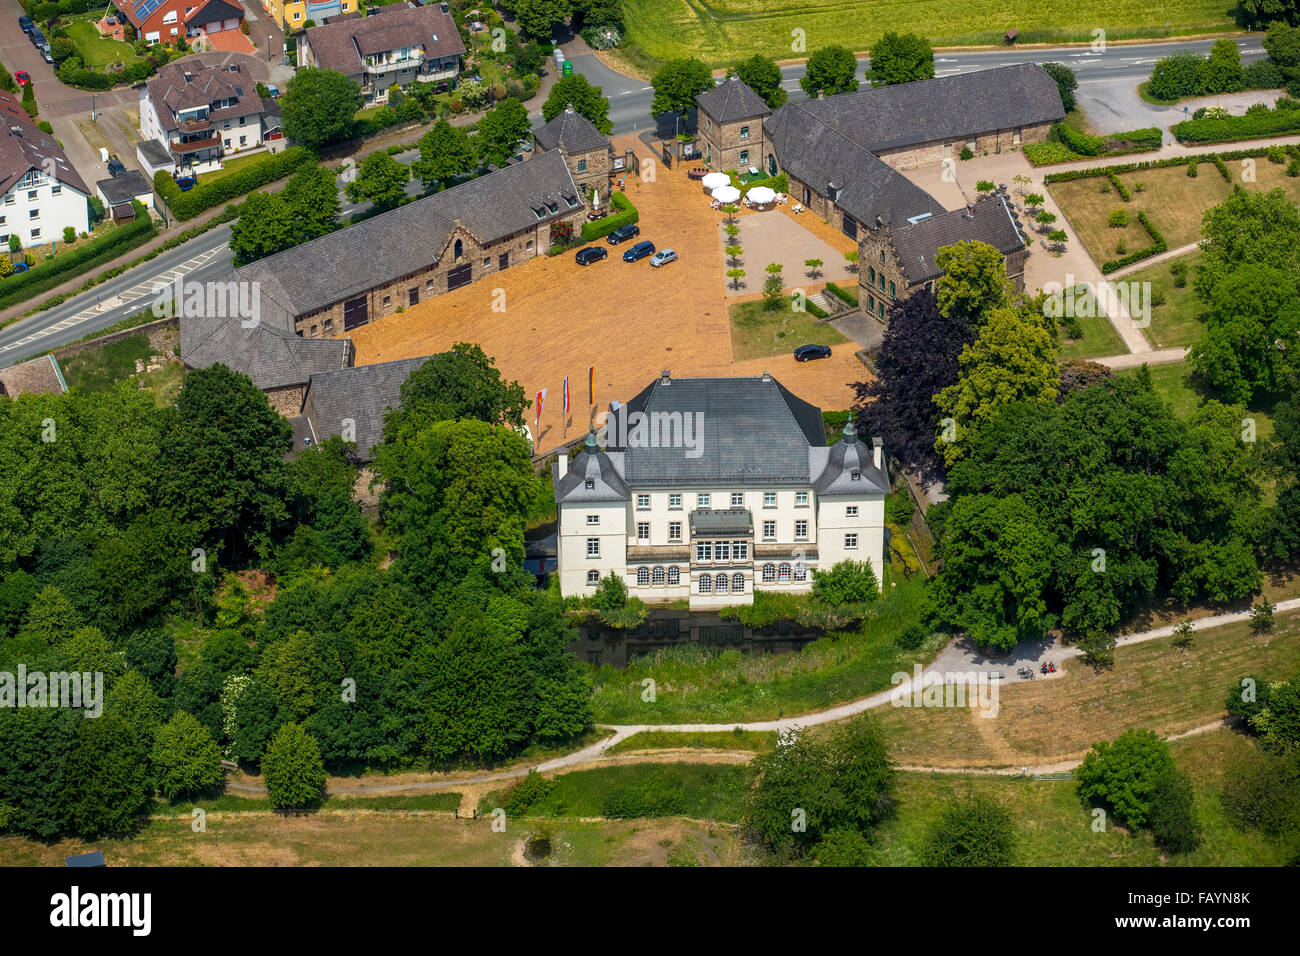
(627, 319)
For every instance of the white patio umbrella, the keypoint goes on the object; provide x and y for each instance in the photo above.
(761, 195)
(712, 181)
(726, 194)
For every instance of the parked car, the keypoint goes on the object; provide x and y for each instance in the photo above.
(590, 254)
(115, 167)
(37, 38)
(806, 353)
(273, 90)
(639, 251)
(663, 257)
(26, 23)
(23, 77)
(46, 55)
(622, 233)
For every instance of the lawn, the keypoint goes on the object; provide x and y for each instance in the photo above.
(1175, 322)
(96, 51)
(756, 334)
(697, 684)
(1054, 828)
(1152, 685)
(724, 31)
(1172, 200)
(1099, 339)
(756, 741)
(704, 791)
(1175, 384)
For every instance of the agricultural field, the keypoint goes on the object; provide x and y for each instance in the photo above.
(723, 31)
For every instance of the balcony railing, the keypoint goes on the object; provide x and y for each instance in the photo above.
(196, 145)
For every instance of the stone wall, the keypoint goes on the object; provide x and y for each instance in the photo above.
(288, 400)
(723, 143)
(164, 335)
(995, 141)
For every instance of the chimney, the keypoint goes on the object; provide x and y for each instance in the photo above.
(767, 376)
(665, 377)
(970, 211)
(877, 450)
(821, 94)
(563, 462)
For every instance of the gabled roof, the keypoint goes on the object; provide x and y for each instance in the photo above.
(272, 357)
(363, 393)
(190, 83)
(23, 148)
(571, 132)
(731, 100)
(412, 237)
(990, 220)
(722, 431)
(215, 10)
(821, 156)
(341, 44)
(945, 108)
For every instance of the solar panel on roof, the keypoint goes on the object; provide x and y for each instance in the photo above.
(146, 9)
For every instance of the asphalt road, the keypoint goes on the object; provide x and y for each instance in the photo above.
(1107, 84)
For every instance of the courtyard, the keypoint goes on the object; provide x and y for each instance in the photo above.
(550, 318)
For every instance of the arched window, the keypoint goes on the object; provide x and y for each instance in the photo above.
(674, 575)
(593, 577)
(458, 250)
(783, 574)
(769, 573)
(706, 584)
(800, 571)
(737, 584)
(720, 586)
(657, 576)
(642, 576)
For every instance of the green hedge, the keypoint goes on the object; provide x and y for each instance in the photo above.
(1072, 174)
(601, 228)
(1158, 245)
(842, 295)
(48, 274)
(1071, 145)
(187, 205)
(1231, 129)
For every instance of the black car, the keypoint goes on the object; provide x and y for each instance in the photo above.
(631, 230)
(590, 254)
(37, 37)
(26, 23)
(806, 353)
(639, 251)
(115, 167)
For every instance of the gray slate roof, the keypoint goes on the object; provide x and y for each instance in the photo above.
(410, 238)
(752, 431)
(571, 132)
(721, 521)
(363, 393)
(124, 187)
(732, 100)
(271, 357)
(38, 376)
(836, 465)
(990, 220)
(945, 108)
(602, 468)
(816, 153)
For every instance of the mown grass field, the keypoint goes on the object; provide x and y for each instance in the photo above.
(723, 31)
(1152, 685)
(756, 334)
(97, 51)
(1177, 321)
(757, 741)
(1099, 339)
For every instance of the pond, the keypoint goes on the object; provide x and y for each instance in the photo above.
(600, 644)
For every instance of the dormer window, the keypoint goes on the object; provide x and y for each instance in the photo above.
(590, 484)
(856, 476)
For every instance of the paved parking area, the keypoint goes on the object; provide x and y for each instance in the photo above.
(627, 319)
(770, 237)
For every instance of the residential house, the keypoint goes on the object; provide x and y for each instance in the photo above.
(294, 15)
(200, 113)
(442, 242)
(730, 123)
(708, 488)
(165, 21)
(41, 193)
(585, 148)
(396, 45)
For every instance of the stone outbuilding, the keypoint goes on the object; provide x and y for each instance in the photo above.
(731, 126)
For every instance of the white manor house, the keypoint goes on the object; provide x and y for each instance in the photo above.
(706, 488)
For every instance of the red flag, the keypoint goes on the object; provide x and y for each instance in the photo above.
(541, 403)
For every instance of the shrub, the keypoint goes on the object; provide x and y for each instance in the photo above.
(974, 832)
(1263, 75)
(966, 153)
(1118, 218)
(1262, 792)
(842, 294)
(528, 792)
(1157, 297)
(626, 215)
(651, 798)
(1173, 813)
(1179, 271)
(1191, 169)
(1123, 774)
(1120, 188)
(1260, 125)
(847, 582)
(293, 771)
(187, 205)
(1293, 168)
(69, 234)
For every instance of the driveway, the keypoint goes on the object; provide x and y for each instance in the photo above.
(555, 318)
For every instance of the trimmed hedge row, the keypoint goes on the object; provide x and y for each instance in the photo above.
(1072, 174)
(840, 294)
(601, 228)
(1120, 188)
(1071, 144)
(48, 274)
(1158, 245)
(1232, 129)
(187, 205)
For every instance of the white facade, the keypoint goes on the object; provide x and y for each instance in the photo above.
(714, 543)
(38, 208)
